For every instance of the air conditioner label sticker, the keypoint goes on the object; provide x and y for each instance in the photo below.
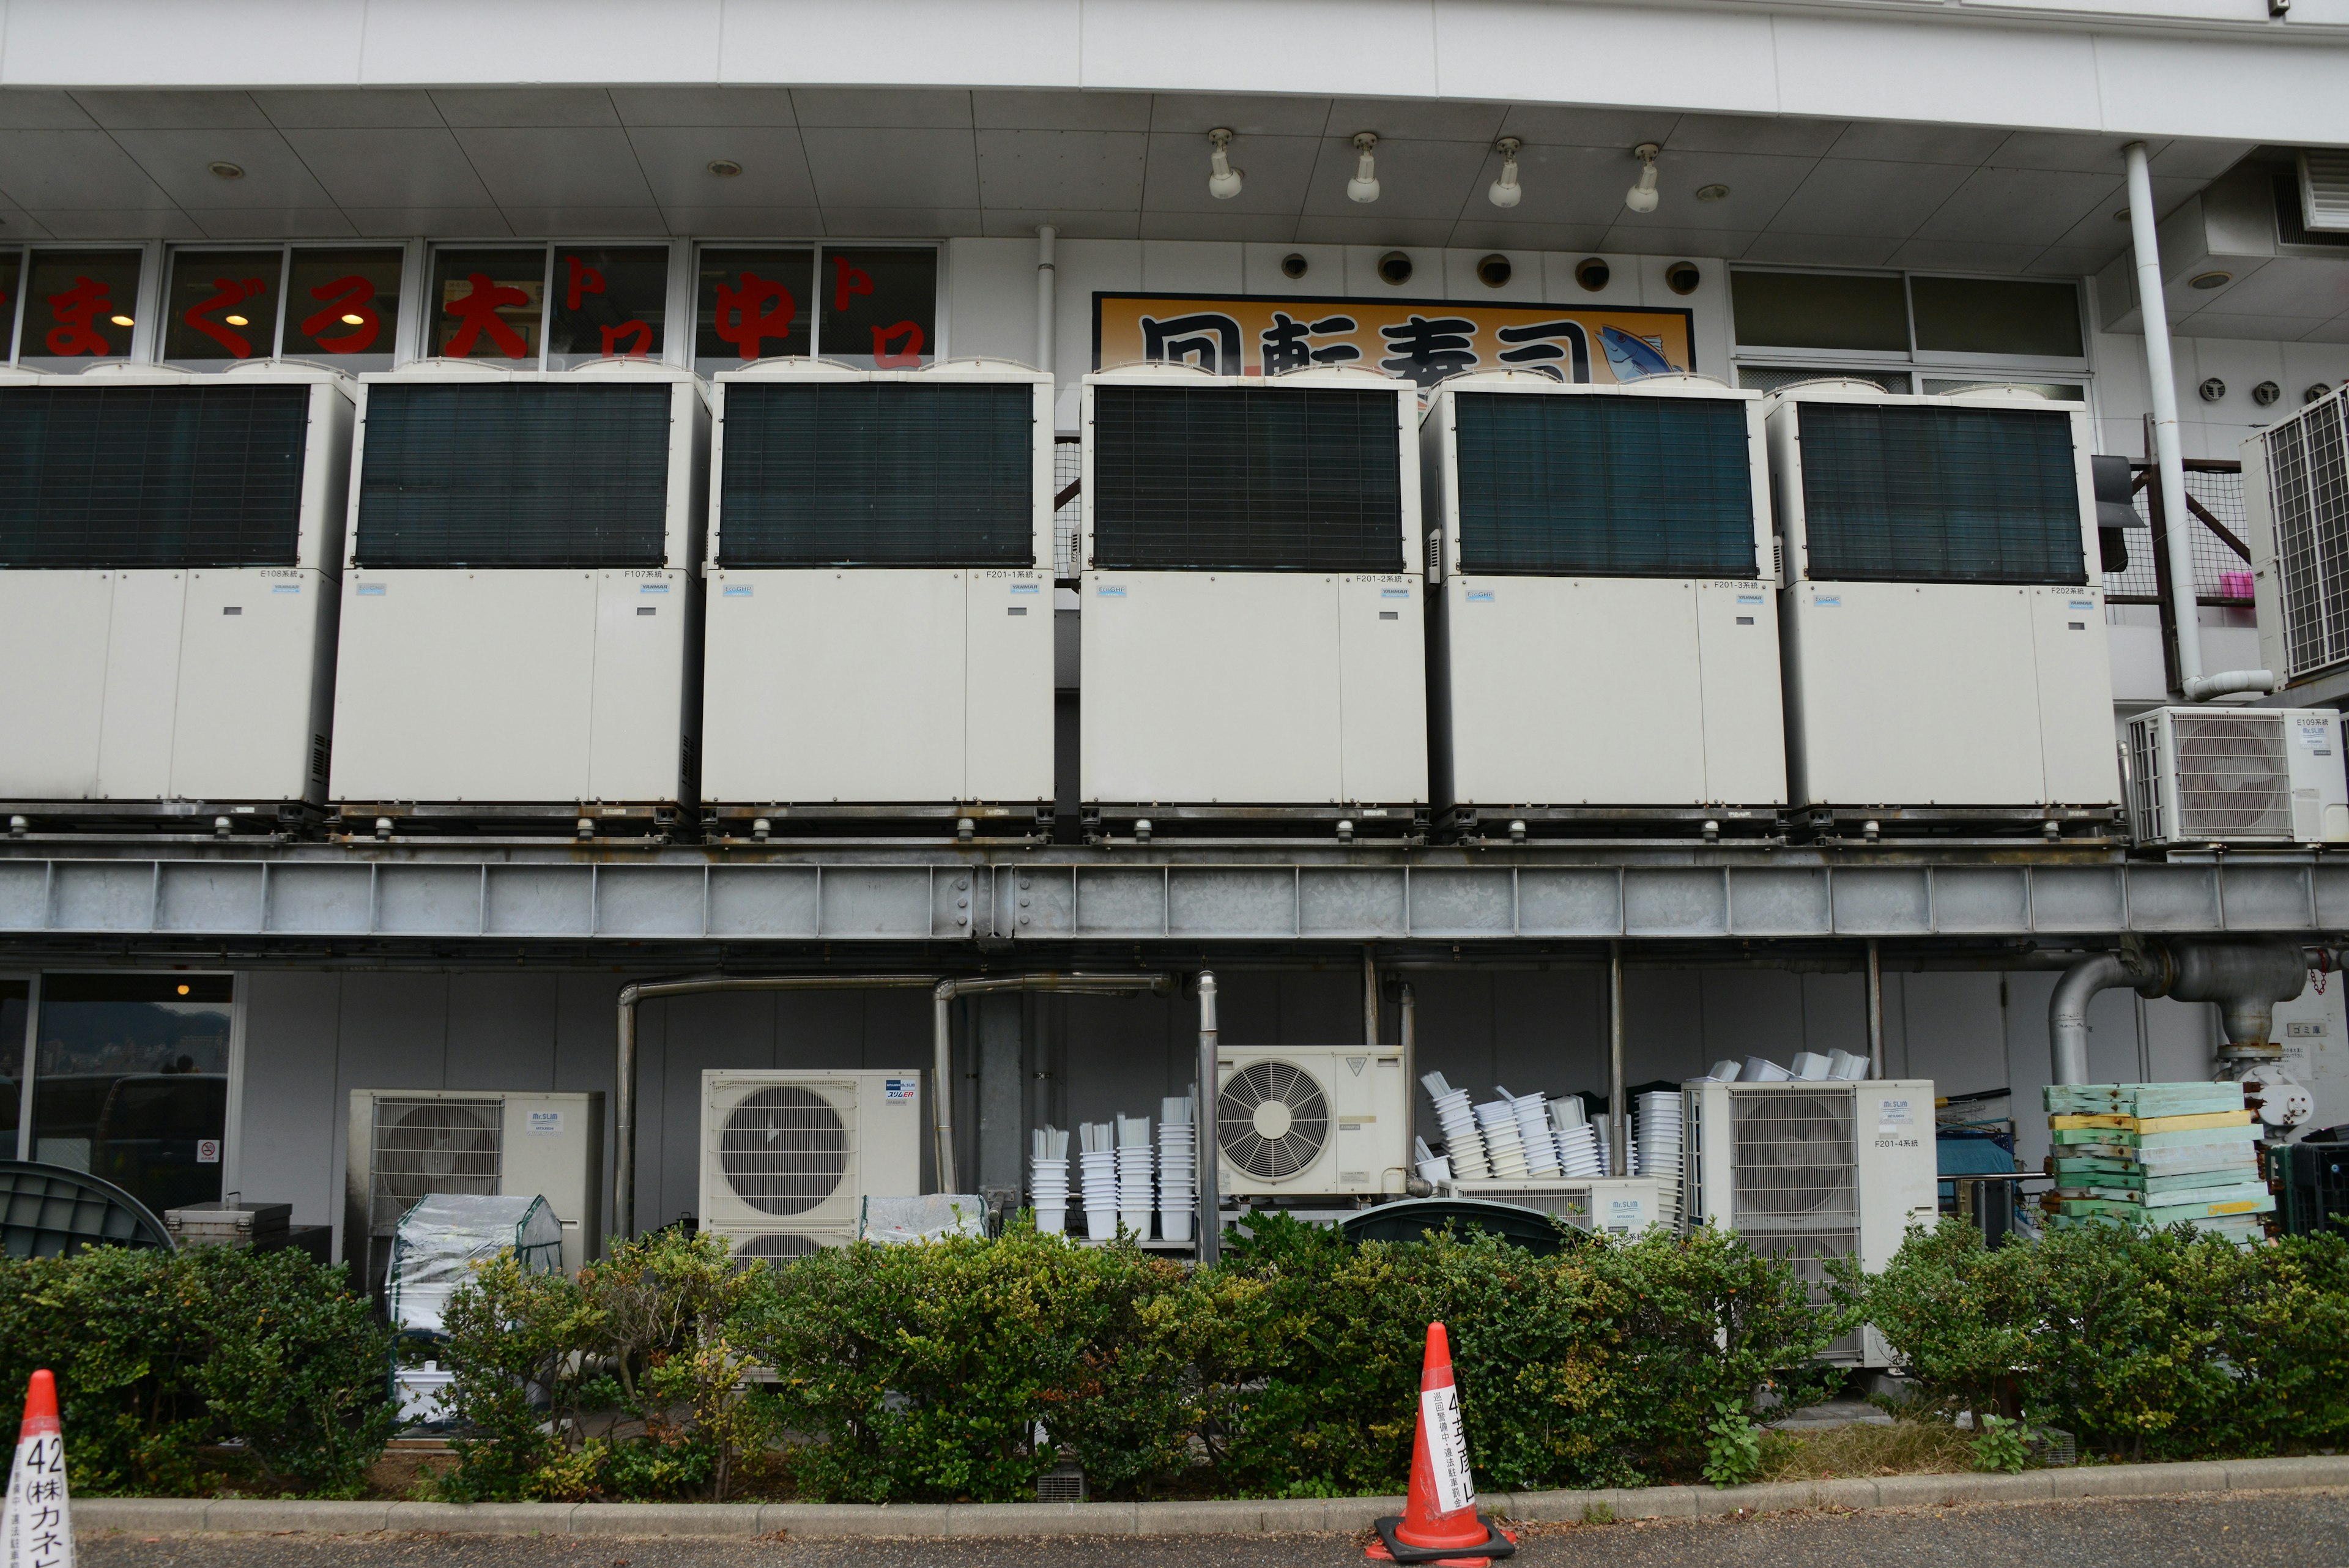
(2083, 603)
(284, 587)
(1480, 595)
(2315, 733)
(734, 591)
(899, 1091)
(1829, 601)
(1025, 588)
(1749, 598)
(1627, 1214)
(1891, 1115)
(1110, 592)
(652, 588)
(1394, 593)
(543, 1124)
(371, 590)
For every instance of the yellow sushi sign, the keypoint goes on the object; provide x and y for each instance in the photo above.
(1422, 339)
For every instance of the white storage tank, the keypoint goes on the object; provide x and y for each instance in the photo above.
(1252, 620)
(1603, 639)
(1945, 648)
(880, 598)
(169, 549)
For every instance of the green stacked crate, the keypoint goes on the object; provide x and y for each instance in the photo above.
(2155, 1154)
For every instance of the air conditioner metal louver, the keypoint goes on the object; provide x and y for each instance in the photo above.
(2233, 776)
(784, 1150)
(427, 1147)
(2307, 505)
(1794, 1159)
(1272, 1120)
(778, 1247)
(2325, 190)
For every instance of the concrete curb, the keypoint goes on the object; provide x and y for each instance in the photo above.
(810, 1520)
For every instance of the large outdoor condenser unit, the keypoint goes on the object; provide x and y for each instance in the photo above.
(519, 612)
(1251, 625)
(1945, 644)
(1603, 629)
(880, 596)
(168, 549)
(2240, 776)
(1310, 1121)
(789, 1157)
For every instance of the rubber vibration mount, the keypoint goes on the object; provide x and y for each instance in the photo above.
(1498, 1543)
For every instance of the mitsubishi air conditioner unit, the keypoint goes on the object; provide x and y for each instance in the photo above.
(1310, 1121)
(2237, 776)
(1811, 1171)
(1945, 648)
(169, 549)
(789, 1157)
(2296, 506)
(880, 596)
(1603, 631)
(407, 1144)
(519, 614)
(1251, 625)
(1618, 1205)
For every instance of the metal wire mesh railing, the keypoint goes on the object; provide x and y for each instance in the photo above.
(1068, 465)
(2222, 573)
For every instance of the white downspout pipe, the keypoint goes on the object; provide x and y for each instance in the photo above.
(2169, 462)
(1046, 277)
(1209, 1232)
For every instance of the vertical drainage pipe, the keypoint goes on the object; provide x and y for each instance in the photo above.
(1210, 1202)
(1369, 999)
(942, 1082)
(2169, 462)
(1875, 1011)
(1410, 1070)
(1046, 276)
(1618, 1120)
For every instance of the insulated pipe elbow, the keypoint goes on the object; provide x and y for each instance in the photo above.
(2246, 980)
(2202, 688)
(2067, 1013)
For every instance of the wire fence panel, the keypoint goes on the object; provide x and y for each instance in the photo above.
(2221, 578)
(1068, 466)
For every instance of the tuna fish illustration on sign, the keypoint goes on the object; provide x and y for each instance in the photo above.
(1632, 358)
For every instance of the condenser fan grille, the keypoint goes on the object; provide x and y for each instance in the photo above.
(1794, 1159)
(1271, 1120)
(2232, 778)
(783, 1150)
(424, 1146)
(778, 1248)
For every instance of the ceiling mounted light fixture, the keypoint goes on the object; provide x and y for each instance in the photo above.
(1712, 192)
(724, 168)
(1641, 197)
(1364, 185)
(1223, 183)
(121, 320)
(226, 170)
(1505, 191)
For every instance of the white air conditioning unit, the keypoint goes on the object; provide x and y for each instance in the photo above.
(1310, 1121)
(2296, 507)
(1618, 1205)
(2238, 775)
(1252, 611)
(789, 1157)
(169, 547)
(1811, 1171)
(880, 593)
(407, 1144)
(1945, 642)
(520, 574)
(1603, 557)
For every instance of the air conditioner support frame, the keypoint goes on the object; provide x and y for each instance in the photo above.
(1988, 826)
(1674, 823)
(246, 817)
(1104, 819)
(656, 820)
(1006, 822)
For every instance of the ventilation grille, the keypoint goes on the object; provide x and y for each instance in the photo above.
(1246, 479)
(2317, 203)
(1792, 1163)
(1940, 495)
(2145, 779)
(1611, 486)
(878, 474)
(2308, 498)
(98, 477)
(785, 1149)
(425, 1146)
(516, 474)
(780, 1248)
(2233, 780)
(1271, 1120)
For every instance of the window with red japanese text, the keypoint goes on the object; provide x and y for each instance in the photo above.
(343, 307)
(753, 305)
(78, 308)
(879, 307)
(220, 308)
(610, 302)
(487, 304)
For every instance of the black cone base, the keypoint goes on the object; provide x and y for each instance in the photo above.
(1496, 1545)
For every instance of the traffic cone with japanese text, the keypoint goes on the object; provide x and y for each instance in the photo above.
(36, 1525)
(1440, 1523)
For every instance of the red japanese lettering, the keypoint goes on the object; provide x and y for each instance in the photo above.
(76, 313)
(346, 300)
(641, 331)
(479, 312)
(229, 294)
(906, 358)
(759, 309)
(848, 281)
(581, 280)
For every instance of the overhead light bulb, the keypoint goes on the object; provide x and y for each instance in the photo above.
(120, 320)
(1505, 190)
(236, 321)
(1223, 183)
(1641, 197)
(1364, 185)
(355, 320)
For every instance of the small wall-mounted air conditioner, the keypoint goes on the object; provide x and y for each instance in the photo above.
(1310, 1121)
(407, 1144)
(789, 1157)
(2238, 775)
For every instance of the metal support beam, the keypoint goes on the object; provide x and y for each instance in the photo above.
(1002, 1124)
(1618, 1120)
(1874, 1011)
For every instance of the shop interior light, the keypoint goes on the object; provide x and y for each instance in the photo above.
(354, 321)
(236, 321)
(1641, 197)
(120, 320)
(1223, 181)
(1505, 190)
(1364, 185)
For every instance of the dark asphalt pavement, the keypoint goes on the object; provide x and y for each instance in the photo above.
(2237, 1530)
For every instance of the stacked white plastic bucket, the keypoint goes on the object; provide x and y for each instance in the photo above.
(1463, 1146)
(1660, 1148)
(1178, 1167)
(1047, 1179)
(1531, 1112)
(1098, 1158)
(1577, 1139)
(1136, 1178)
(1505, 1148)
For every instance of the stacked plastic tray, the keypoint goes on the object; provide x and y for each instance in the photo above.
(2155, 1154)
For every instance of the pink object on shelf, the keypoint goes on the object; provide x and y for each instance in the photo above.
(2234, 585)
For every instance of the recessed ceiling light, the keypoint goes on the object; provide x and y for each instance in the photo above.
(2210, 280)
(120, 320)
(724, 168)
(226, 170)
(2121, 216)
(1712, 192)
(236, 321)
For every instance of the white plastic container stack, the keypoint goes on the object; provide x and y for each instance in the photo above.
(1630, 1153)
(1463, 1146)
(1136, 1178)
(1761, 1070)
(1531, 1112)
(1178, 1167)
(1047, 1179)
(1432, 1167)
(1098, 1156)
(1577, 1139)
(1503, 1146)
(1660, 1146)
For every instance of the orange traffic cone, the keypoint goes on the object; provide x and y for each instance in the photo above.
(1440, 1523)
(35, 1528)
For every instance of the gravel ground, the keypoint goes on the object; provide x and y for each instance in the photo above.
(2235, 1529)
